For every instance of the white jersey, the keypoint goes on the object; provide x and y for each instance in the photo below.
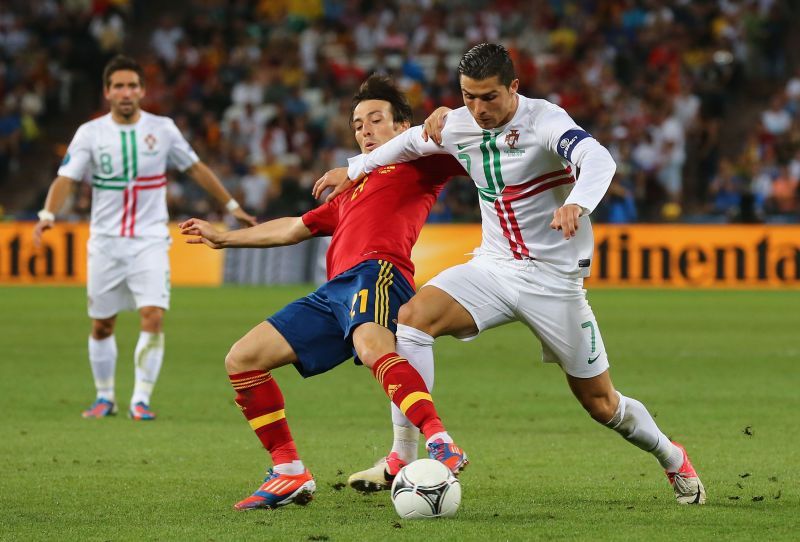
(128, 164)
(524, 171)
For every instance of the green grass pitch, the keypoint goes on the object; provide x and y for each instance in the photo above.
(720, 370)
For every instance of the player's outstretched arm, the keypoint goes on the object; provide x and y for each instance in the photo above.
(56, 195)
(405, 147)
(275, 233)
(206, 178)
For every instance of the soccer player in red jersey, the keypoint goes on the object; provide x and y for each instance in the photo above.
(370, 275)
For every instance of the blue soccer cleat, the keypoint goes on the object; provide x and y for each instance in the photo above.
(141, 412)
(453, 457)
(101, 408)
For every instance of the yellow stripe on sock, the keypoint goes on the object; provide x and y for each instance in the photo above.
(388, 364)
(412, 398)
(272, 417)
(250, 383)
(249, 380)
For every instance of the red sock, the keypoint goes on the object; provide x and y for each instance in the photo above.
(405, 387)
(261, 401)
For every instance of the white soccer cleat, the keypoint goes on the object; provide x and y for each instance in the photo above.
(379, 477)
(687, 485)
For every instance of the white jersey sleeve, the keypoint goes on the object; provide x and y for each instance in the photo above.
(75, 164)
(405, 147)
(355, 165)
(181, 155)
(559, 133)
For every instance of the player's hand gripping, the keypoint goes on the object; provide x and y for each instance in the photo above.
(243, 218)
(336, 179)
(41, 227)
(205, 232)
(434, 125)
(565, 219)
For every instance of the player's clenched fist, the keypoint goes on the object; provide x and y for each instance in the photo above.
(566, 218)
(204, 233)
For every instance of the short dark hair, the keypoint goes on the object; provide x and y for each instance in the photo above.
(487, 60)
(381, 87)
(119, 63)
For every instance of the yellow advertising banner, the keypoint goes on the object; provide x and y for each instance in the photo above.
(62, 257)
(730, 256)
(641, 255)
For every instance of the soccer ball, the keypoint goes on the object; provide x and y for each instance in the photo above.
(426, 489)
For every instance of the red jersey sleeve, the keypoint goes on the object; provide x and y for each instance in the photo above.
(439, 167)
(324, 219)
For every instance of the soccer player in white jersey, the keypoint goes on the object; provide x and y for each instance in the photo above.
(126, 153)
(536, 247)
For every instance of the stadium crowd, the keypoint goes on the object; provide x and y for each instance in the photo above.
(262, 90)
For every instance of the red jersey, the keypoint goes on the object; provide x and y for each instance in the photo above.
(381, 217)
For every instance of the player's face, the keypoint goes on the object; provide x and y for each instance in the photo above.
(491, 103)
(373, 124)
(124, 92)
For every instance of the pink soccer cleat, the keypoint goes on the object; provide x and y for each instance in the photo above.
(687, 485)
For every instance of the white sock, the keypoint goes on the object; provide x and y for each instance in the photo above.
(443, 436)
(637, 426)
(406, 441)
(103, 360)
(417, 347)
(147, 359)
(292, 469)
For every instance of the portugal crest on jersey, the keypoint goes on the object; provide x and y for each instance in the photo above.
(511, 138)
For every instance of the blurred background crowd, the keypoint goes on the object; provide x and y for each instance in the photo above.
(698, 101)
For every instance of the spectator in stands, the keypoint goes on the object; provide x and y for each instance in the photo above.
(726, 190)
(784, 192)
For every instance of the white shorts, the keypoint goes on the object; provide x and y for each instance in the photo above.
(126, 273)
(496, 292)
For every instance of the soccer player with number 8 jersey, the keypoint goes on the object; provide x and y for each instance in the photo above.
(523, 155)
(125, 155)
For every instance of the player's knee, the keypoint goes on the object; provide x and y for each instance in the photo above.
(371, 342)
(601, 408)
(244, 356)
(237, 360)
(152, 319)
(411, 315)
(102, 329)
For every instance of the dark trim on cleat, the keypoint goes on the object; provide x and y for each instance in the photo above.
(365, 486)
(303, 498)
